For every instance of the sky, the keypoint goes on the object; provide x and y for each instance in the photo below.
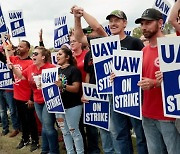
(39, 14)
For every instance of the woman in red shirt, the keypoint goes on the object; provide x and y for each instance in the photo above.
(79, 54)
(41, 60)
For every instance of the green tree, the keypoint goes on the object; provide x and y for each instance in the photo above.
(137, 32)
(168, 28)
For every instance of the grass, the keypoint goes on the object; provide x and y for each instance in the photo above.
(8, 145)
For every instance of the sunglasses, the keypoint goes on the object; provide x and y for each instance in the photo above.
(35, 53)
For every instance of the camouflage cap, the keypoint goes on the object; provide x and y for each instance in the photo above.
(118, 13)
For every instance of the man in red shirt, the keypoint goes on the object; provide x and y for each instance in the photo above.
(160, 131)
(22, 96)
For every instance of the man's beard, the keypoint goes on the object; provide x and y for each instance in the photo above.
(149, 34)
(20, 53)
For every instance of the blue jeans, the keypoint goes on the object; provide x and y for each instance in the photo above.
(6, 100)
(69, 125)
(107, 143)
(49, 133)
(120, 126)
(162, 136)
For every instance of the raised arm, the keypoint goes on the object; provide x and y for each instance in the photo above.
(9, 38)
(78, 32)
(41, 43)
(174, 18)
(17, 72)
(94, 24)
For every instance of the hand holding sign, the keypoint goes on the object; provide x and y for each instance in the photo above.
(58, 83)
(159, 78)
(84, 100)
(5, 48)
(112, 76)
(146, 83)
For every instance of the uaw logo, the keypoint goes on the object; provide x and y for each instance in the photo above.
(156, 62)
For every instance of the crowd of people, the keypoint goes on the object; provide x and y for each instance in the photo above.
(155, 133)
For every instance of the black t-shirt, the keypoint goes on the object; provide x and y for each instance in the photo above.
(88, 63)
(129, 43)
(89, 67)
(71, 74)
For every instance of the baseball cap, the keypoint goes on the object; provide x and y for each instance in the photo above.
(118, 13)
(87, 30)
(150, 14)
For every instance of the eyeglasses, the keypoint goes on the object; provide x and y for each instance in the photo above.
(35, 53)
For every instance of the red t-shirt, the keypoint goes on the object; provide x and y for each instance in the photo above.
(152, 99)
(80, 63)
(33, 71)
(22, 90)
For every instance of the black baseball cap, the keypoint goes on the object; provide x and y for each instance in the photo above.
(150, 14)
(118, 13)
